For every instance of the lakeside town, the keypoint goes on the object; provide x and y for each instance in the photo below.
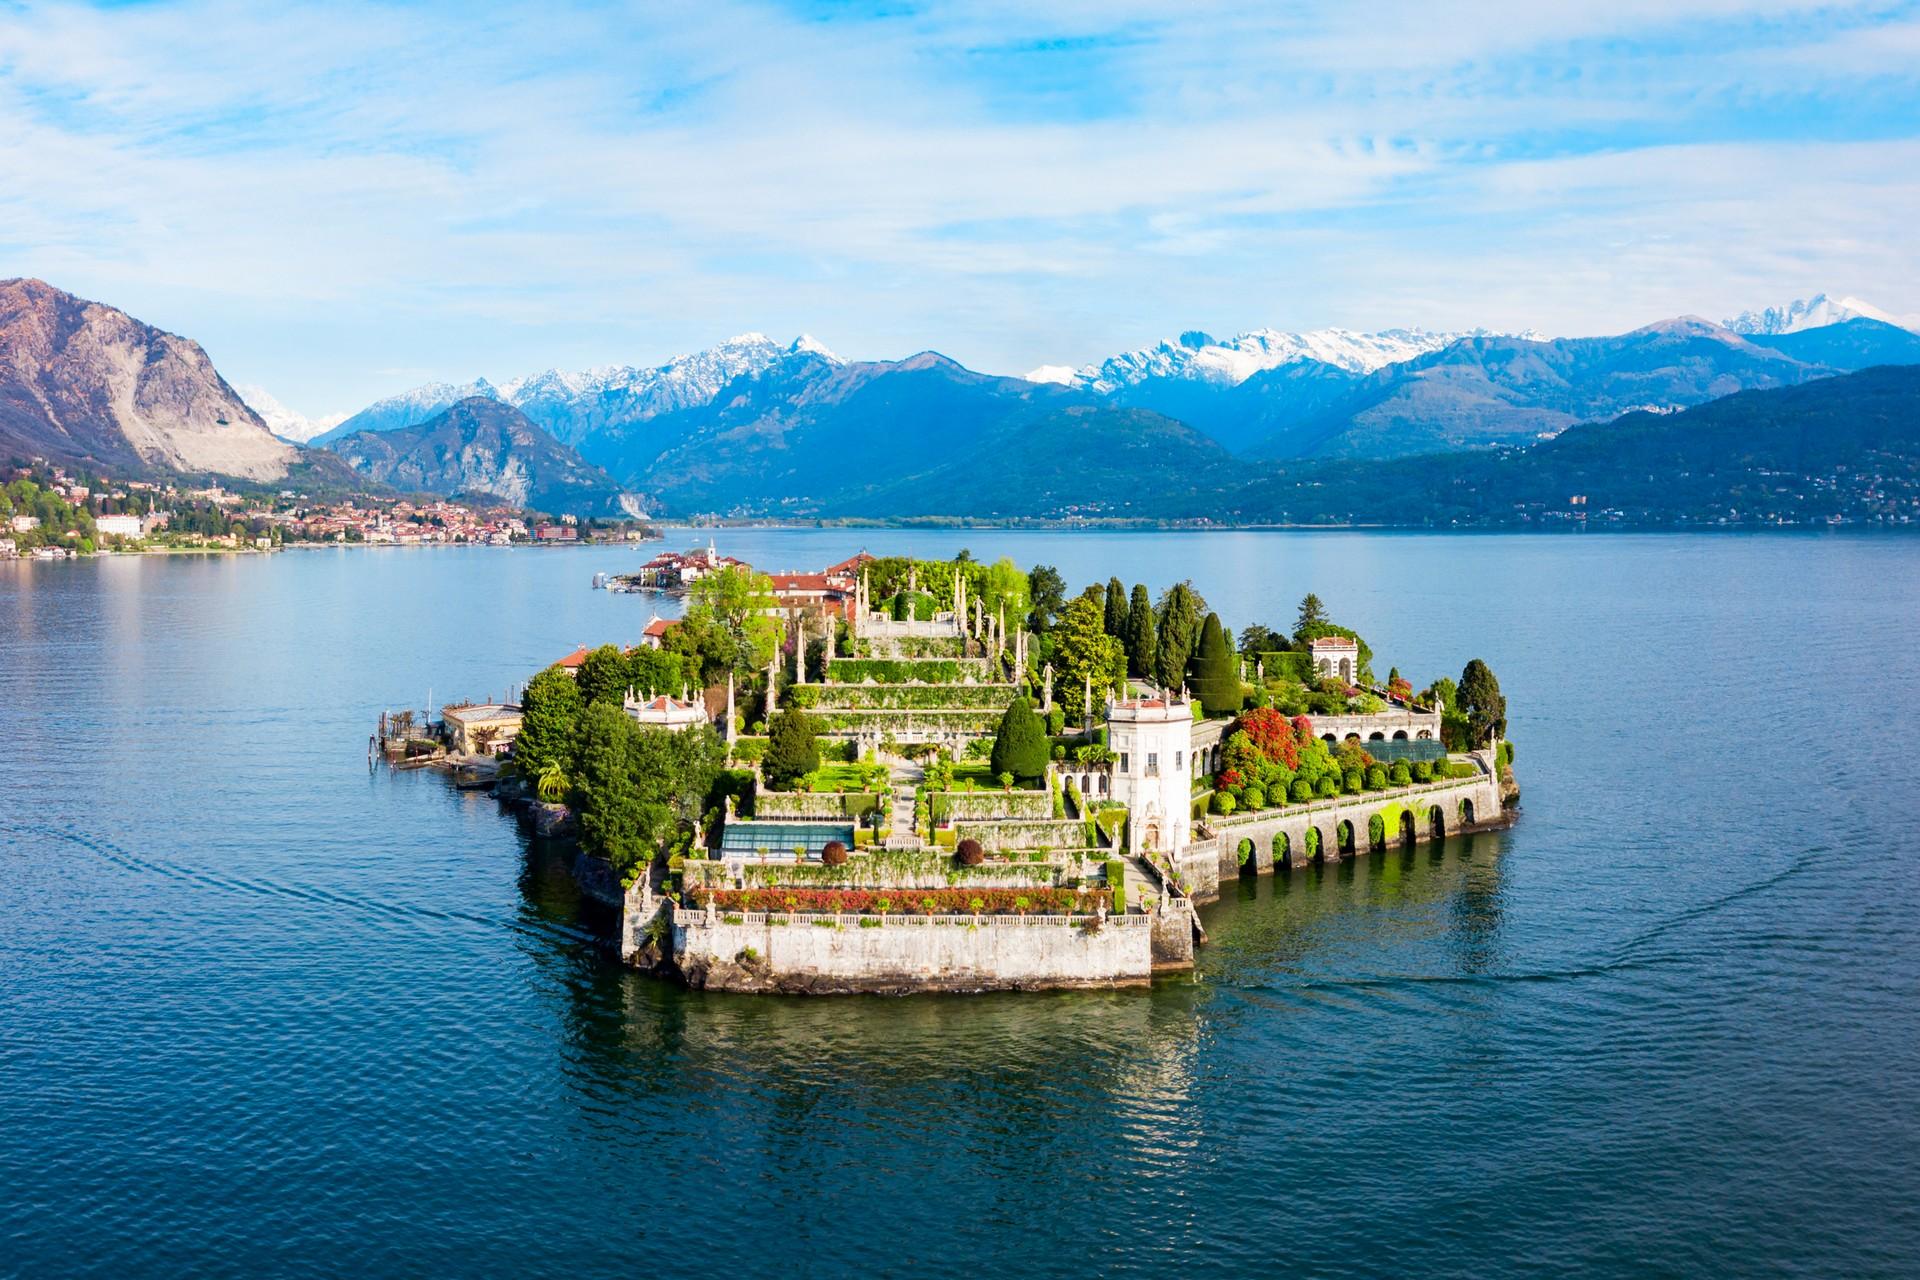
(51, 512)
(894, 775)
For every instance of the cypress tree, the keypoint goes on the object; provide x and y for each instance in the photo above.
(1020, 745)
(1216, 675)
(1116, 609)
(1179, 617)
(1142, 645)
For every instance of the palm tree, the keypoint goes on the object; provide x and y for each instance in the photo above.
(551, 785)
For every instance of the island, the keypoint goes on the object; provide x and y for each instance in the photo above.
(896, 775)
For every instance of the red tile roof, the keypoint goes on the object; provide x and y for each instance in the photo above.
(658, 627)
(573, 660)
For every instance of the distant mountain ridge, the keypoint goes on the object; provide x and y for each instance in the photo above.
(480, 447)
(1814, 313)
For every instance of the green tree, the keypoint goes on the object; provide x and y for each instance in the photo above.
(793, 749)
(677, 770)
(1141, 643)
(604, 676)
(1180, 613)
(1256, 639)
(550, 710)
(1048, 592)
(1312, 614)
(657, 671)
(615, 822)
(1484, 704)
(1216, 672)
(1116, 615)
(730, 624)
(1083, 651)
(1020, 744)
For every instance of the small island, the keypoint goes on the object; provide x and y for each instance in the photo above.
(898, 775)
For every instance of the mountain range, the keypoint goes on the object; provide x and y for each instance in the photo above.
(759, 427)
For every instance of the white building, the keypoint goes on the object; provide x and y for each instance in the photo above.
(118, 526)
(662, 712)
(1152, 742)
(1336, 656)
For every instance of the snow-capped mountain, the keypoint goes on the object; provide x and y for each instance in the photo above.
(576, 405)
(1201, 357)
(1816, 312)
(288, 424)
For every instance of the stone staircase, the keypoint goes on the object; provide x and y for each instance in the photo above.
(904, 789)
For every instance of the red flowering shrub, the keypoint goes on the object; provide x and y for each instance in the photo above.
(952, 902)
(1229, 780)
(1271, 735)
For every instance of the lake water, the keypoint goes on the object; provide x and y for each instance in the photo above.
(265, 1011)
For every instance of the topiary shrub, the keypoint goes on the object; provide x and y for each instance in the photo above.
(970, 853)
(1256, 797)
(1223, 803)
(1020, 745)
(1400, 775)
(1329, 786)
(833, 853)
(1353, 781)
(1376, 777)
(1301, 791)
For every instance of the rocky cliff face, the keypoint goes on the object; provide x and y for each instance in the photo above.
(81, 382)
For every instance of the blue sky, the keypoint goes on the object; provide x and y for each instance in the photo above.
(341, 202)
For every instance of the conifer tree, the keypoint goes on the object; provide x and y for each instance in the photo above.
(1216, 673)
(1180, 614)
(1116, 609)
(1020, 744)
(1142, 645)
(793, 749)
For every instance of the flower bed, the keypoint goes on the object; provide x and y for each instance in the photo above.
(1036, 900)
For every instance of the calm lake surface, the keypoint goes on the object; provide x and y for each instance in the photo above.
(264, 1011)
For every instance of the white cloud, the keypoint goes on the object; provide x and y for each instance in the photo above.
(323, 195)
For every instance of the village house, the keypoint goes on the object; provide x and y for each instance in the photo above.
(487, 729)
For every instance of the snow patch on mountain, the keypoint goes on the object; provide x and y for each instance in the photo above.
(1200, 356)
(288, 424)
(571, 403)
(1816, 312)
(1063, 374)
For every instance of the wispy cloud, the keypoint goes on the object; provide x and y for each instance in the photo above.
(323, 195)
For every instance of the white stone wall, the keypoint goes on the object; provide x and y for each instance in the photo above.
(905, 953)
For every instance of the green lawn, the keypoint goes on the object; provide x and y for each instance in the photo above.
(980, 774)
(837, 777)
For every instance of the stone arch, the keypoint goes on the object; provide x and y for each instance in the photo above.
(1244, 851)
(1313, 843)
(1376, 736)
(1466, 811)
(1282, 849)
(1409, 827)
(1329, 739)
(1437, 822)
(1426, 735)
(1399, 735)
(1376, 830)
(1346, 670)
(1343, 835)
